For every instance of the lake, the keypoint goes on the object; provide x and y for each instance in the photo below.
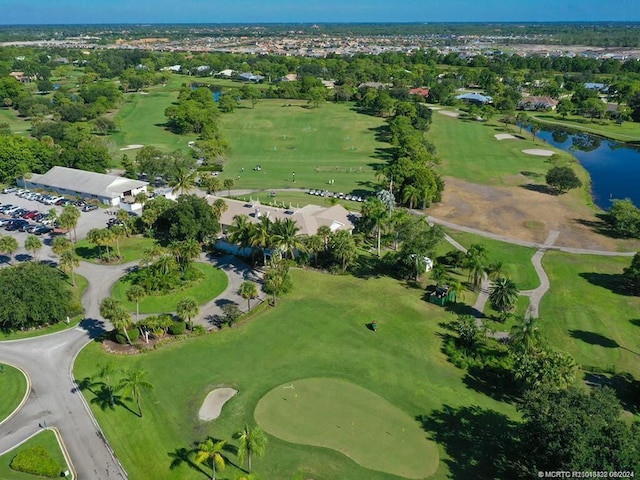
(614, 167)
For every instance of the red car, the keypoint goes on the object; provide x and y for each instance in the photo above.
(30, 214)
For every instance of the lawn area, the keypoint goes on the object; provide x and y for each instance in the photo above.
(81, 285)
(469, 150)
(16, 124)
(212, 284)
(296, 199)
(46, 439)
(13, 386)
(516, 259)
(625, 132)
(335, 414)
(331, 142)
(305, 336)
(131, 249)
(583, 315)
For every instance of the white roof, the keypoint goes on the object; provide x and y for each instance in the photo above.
(99, 184)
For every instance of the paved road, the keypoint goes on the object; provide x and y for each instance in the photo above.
(54, 400)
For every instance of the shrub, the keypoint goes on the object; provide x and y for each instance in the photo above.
(198, 330)
(120, 338)
(177, 328)
(36, 461)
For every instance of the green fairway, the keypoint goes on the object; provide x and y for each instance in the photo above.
(331, 142)
(16, 124)
(315, 331)
(46, 439)
(625, 132)
(81, 285)
(515, 259)
(212, 284)
(331, 413)
(286, 198)
(469, 150)
(13, 386)
(131, 248)
(583, 315)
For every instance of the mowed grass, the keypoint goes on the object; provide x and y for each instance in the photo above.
(332, 142)
(285, 199)
(585, 316)
(81, 285)
(16, 124)
(515, 259)
(469, 150)
(13, 386)
(213, 282)
(318, 330)
(331, 413)
(131, 248)
(45, 439)
(626, 132)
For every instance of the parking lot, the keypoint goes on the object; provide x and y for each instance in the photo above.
(88, 220)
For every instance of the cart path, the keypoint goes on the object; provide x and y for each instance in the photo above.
(535, 295)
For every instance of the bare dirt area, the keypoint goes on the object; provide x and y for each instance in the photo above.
(524, 214)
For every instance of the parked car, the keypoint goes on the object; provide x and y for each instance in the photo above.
(5, 221)
(15, 224)
(42, 229)
(88, 208)
(10, 190)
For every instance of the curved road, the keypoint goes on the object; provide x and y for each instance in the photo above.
(54, 399)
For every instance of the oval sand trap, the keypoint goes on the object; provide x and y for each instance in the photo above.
(213, 403)
(540, 152)
(132, 147)
(449, 113)
(504, 136)
(331, 413)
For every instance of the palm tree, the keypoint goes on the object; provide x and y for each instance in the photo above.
(456, 288)
(525, 335)
(118, 231)
(496, 270)
(211, 183)
(123, 217)
(376, 212)
(239, 231)
(184, 180)
(112, 310)
(210, 451)
(69, 261)
(315, 245)
(60, 244)
(285, 237)
(476, 263)
(228, 183)
(187, 309)
(439, 274)
(253, 441)
(69, 219)
(151, 254)
(141, 198)
(101, 237)
(184, 252)
(135, 293)
(504, 295)
(133, 383)
(324, 232)
(107, 371)
(219, 207)
(33, 244)
(248, 291)
(411, 195)
(8, 245)
(261, 236)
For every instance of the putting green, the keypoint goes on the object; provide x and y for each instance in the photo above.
(336, 414)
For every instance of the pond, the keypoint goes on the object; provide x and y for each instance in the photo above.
(614, 167)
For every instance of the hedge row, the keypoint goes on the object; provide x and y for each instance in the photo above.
(36, 461)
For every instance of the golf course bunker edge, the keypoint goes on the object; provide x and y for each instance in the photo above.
(336, 414)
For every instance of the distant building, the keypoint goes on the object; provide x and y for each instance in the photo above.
(107, 189)
(422, 91)
(537, 103)
(599, 87)
(228, 73)
(250, 77)
(475, 98)
(291, 77)
(376, 85)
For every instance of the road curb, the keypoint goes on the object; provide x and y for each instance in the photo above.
(65, 452)
(26, 394)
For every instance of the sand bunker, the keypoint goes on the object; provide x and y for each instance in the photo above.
(449, 113)
(504, 136)
(213, 403)
(540, 152)
(132, 147)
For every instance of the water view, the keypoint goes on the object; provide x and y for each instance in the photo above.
(614, 167)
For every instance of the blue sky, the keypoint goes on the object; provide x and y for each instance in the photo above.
(275, 11)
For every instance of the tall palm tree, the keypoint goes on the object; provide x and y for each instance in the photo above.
(210, 451)
(118, 231)
(60, 244)
(113, 310)
(69, 261)
(188, 309)
(69, 219)
(107, 371)
(151, 254)
(525, 335)
(411, 195)
(476, 262)
(184, 180)
(125, 219)
(184, 252)
(253, 441)
(8, 245)
(504, 295)
(33, 244)
(315, 245)
(228, 183)
(248, 291)
(133, 383)
(135, 293)
(219, 207)
(375, 211)
(261, 236)
(239, 231)
(285, 237)
(438, 274)
(324, 232)
(456, 288)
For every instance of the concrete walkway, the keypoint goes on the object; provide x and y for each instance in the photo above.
(535, 295)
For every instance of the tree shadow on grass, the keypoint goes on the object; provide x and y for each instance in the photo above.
(635, 321)
(610, 281)
(478, 441)
(183, 456)
(460, 308)
(88, 253)
(593, 338)
(367, 267)
(495, 382)
(627, 388)
(540, 188)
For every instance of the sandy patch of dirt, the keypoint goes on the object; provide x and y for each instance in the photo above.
(523, 213)
(132, 147)
(505, 136)
(449, 113)
(540, 152)
(214, 401)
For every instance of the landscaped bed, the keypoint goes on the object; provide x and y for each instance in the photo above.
(46, 441)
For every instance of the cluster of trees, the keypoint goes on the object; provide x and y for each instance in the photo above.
(624, 218)
(33, 294)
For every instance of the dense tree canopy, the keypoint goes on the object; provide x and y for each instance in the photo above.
(33, 294)
(191, 217)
